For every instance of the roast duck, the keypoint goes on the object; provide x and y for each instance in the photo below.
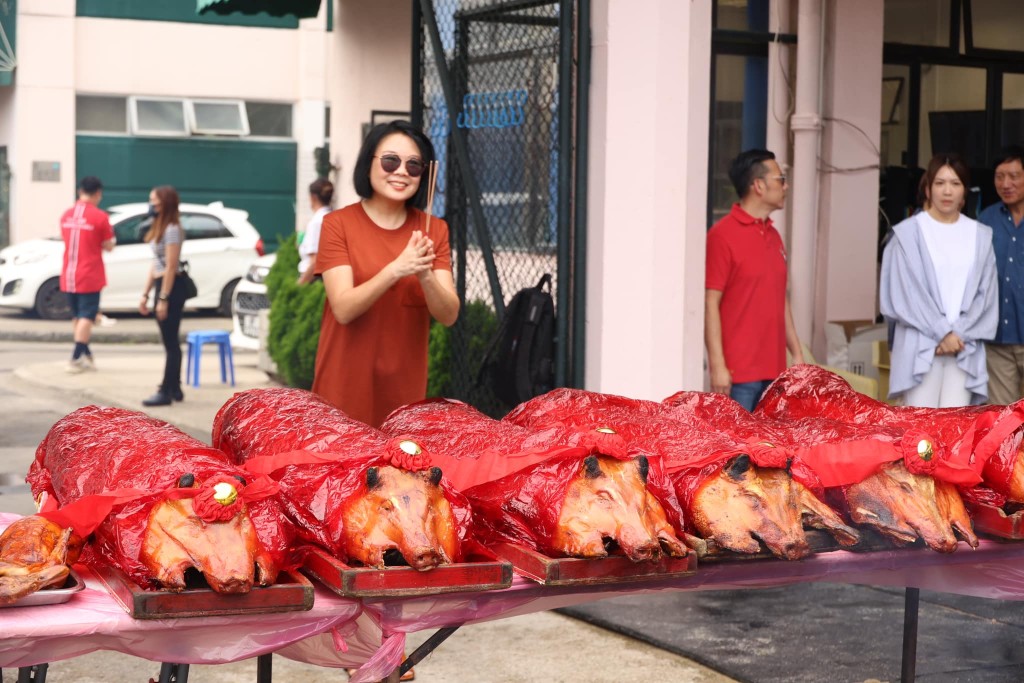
(894, 480)
(163, 505)
(737, 493)
(982, 442)
(349, 489)
(35, 553)
(588, 498)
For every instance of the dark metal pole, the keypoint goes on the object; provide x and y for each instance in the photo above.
(910, 610)
(428, 646)
(416, 97)
(462, 156)
(579, 243)
(265, 668)
(565, 198)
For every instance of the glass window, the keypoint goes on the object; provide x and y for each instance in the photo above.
(131, 230)
(1013, 110)
(894, 115)
(201, 226)
(995, 24)
(97, 114)
(212, 117)
(740, 110)
(742, 15)
(917, 22)
(952, 113)
(158, 116)
(270, 119)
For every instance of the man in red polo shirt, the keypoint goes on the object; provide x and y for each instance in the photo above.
(747, 322)
(87, 234)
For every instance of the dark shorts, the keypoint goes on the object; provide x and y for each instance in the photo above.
(84, 305)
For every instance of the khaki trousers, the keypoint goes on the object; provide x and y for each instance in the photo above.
(1005, 372)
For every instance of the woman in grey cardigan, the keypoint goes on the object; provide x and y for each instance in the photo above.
(938, 286)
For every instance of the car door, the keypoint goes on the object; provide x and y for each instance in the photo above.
(208, 248)
(127, 265)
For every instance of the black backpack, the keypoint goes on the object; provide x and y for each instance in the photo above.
(521, 359)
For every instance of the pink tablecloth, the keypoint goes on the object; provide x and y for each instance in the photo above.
(371, 632)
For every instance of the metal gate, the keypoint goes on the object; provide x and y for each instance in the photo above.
(5, 199)
(495, 87)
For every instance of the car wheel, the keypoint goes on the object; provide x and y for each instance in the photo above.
(225, 298)
(51, 303)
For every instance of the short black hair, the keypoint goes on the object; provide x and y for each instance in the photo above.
(1008, 154)
(748, 167)
(361, 172)
(90, 184)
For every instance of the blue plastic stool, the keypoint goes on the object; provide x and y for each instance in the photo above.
(196, 340)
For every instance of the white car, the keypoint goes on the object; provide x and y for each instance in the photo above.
(250, 298)
(219, 245)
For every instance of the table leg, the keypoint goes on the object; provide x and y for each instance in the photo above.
(264, 665)
(32, 674)
(173, 673)
(910, 610)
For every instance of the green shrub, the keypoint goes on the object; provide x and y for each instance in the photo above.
(295, 314)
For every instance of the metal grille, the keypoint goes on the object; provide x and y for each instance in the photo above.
(251, 301)
(502, 71)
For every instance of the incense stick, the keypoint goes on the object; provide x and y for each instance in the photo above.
(431, 186)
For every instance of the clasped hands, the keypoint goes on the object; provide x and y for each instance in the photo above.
(950, 345)
(417, 258)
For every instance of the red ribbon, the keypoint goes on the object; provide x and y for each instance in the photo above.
(88, 512)
(604, 443)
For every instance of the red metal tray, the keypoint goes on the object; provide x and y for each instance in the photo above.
(405, 581)
(566, 571)
(992, 521)
(292, 593)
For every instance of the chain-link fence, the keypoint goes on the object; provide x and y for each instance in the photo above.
(502, 71)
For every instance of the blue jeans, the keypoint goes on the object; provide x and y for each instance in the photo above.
(747, 394)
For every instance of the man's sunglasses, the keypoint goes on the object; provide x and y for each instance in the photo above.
(392, 162)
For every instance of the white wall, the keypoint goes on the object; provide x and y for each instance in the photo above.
(647, 194)
(43, 117)
(370, 47)
(846, 279)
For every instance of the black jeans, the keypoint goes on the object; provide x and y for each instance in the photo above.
(169, 334)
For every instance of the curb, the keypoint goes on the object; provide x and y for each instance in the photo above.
(97, 337)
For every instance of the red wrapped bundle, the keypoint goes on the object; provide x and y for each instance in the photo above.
(978, 442)
(348, 487)
(543, 489)
(733, 486)
(188, 505)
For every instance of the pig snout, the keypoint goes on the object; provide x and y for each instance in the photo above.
(424, 558)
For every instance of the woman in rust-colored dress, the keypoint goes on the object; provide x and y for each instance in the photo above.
(386, 276)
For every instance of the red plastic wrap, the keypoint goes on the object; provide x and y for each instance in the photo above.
(692, 446)
(96, 450)
(320, 458)
(516, 478)
(980, 442)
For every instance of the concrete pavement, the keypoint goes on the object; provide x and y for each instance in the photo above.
(541, 646)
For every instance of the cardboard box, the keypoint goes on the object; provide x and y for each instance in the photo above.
(850, 345)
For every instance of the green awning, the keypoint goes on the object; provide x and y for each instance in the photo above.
(8, 23)
(303, 9)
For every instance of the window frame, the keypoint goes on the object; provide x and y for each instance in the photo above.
(133, 115)
(193, 124)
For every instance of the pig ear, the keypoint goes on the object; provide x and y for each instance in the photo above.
(372, 478)
(240, 478)
(592, 468)
(642, 467)
(186, 481)
(435, 476)
(738, 466)
(789, 466)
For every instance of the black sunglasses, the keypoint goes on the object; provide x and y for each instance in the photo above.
(392, 162)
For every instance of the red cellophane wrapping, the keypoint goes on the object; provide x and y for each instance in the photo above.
(981, 439)
(95, 450)
(319, 456)
(515, 477)
(691, 447)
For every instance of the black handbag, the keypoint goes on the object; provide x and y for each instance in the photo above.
(187, 281)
